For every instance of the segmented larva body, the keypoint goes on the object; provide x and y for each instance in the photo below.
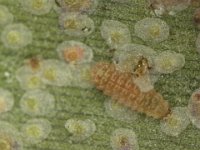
(120, 87)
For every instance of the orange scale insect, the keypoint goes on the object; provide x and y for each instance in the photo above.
(120, 87)
(73, 54)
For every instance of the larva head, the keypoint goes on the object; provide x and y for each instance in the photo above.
(98, 70)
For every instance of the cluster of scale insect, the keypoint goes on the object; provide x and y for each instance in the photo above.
(72, 70)
(170, 7)
(41, 72)
(13, 35)
(73, 17)
(29, 75)
(42, 7)
(56, 73)
(79, 57)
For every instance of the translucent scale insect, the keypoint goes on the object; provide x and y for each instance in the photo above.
(37, 7)
(76, 25)
(120, 87)
(115, 33)
(82, 6)
(10, 137)
(176, 122)
(169, 61)
(36, 130)
(80, 129)
(152, 30)
(16, 36)
(124, 139)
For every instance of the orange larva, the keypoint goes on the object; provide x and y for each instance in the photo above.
(120, 87)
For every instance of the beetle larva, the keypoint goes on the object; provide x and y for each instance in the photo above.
(120, 87)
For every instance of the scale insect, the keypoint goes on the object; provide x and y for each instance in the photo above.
(120, 86)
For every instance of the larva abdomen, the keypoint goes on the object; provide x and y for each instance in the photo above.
(120, 87)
